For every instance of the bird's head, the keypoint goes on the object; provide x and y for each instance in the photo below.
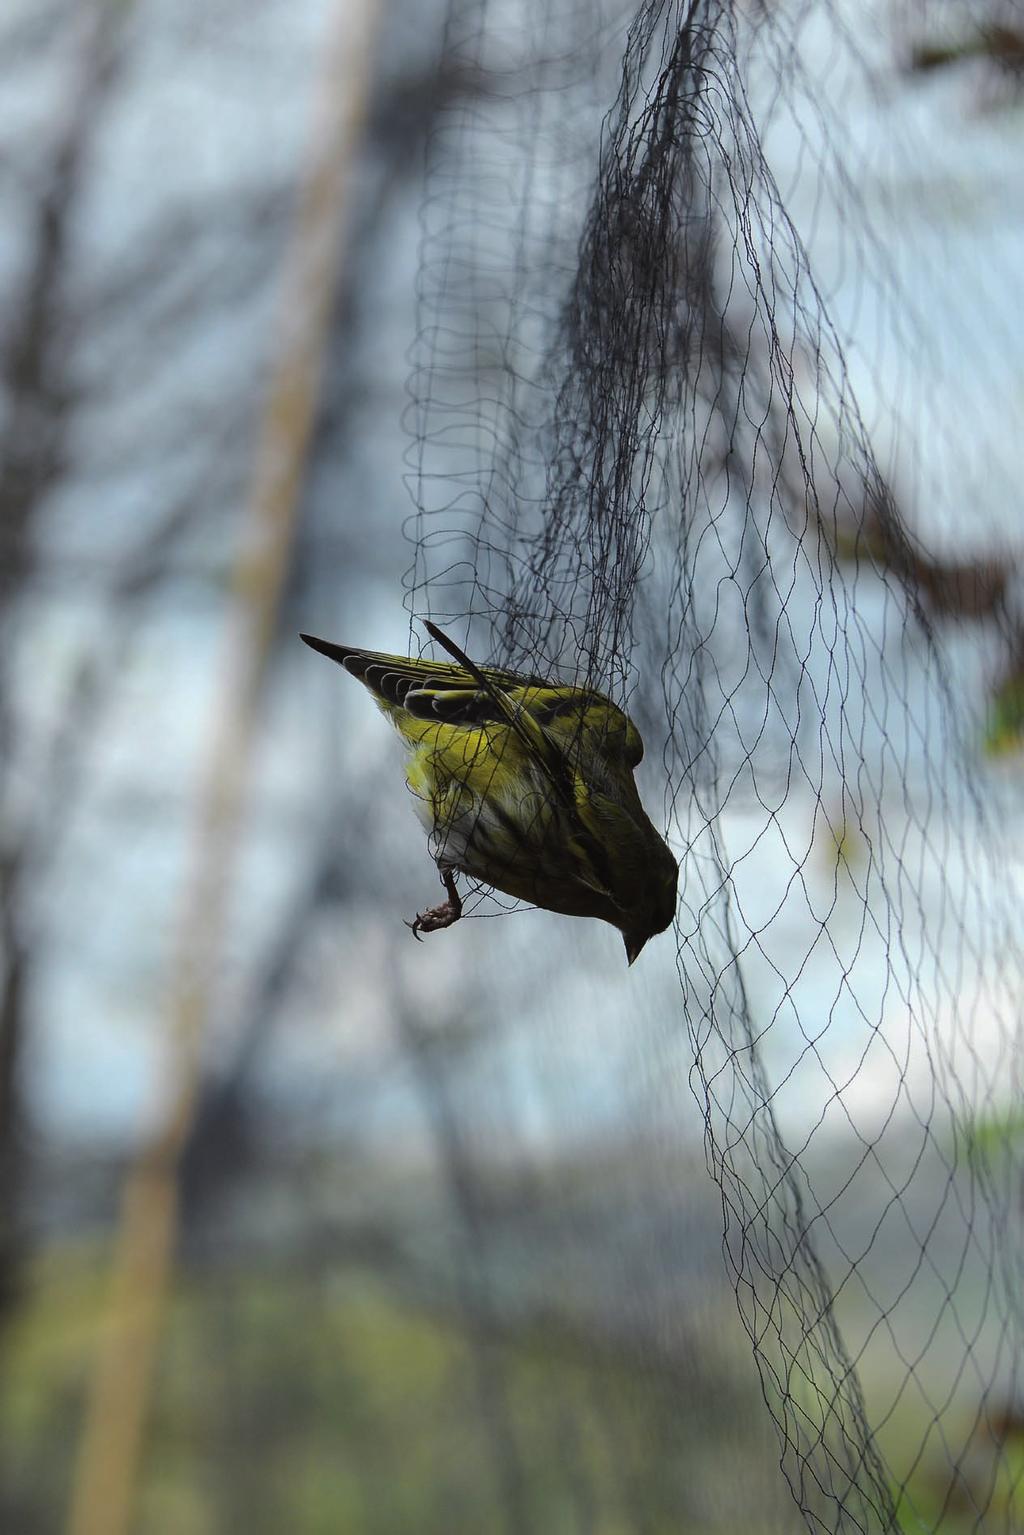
(656, 908)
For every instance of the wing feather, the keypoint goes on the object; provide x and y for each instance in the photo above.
(550, 720)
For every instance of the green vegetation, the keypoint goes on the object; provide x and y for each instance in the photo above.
(325, 1401)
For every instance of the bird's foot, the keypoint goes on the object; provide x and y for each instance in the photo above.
(439, 916)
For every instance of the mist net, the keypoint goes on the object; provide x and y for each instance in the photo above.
(699, 401)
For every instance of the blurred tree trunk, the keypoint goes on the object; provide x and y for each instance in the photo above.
(223, 1141)
(106, 1475)
(37, 398)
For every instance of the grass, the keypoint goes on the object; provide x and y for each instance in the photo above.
(327, 1401)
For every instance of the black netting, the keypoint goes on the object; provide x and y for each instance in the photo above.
(644, 459)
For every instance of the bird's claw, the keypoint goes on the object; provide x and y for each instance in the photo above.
(436, 917)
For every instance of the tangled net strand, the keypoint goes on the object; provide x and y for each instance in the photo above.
(637, 458)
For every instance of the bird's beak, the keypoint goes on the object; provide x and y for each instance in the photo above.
(633, 946)
(332, 652)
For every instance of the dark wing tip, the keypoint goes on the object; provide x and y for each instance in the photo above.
(440, 638)
(459, 655)
(325, 648)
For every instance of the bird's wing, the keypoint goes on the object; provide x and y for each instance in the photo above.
(569, 718)
(458, 694)
(505, 696)
(392, 678)
(552, 722)
(580, 720)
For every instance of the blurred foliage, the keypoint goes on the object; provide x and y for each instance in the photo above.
(1005, 727)
(326, 1399)
(996, 1136)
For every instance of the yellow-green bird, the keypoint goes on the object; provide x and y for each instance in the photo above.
(525, 785)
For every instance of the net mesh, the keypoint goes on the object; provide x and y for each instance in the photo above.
(646, 459)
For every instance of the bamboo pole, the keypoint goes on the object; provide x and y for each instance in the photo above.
(107, 1466)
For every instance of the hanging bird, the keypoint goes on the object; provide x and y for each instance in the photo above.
(525, 785)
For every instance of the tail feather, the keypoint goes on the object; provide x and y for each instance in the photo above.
(433, 689)
(340, 653)
(389, 678)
